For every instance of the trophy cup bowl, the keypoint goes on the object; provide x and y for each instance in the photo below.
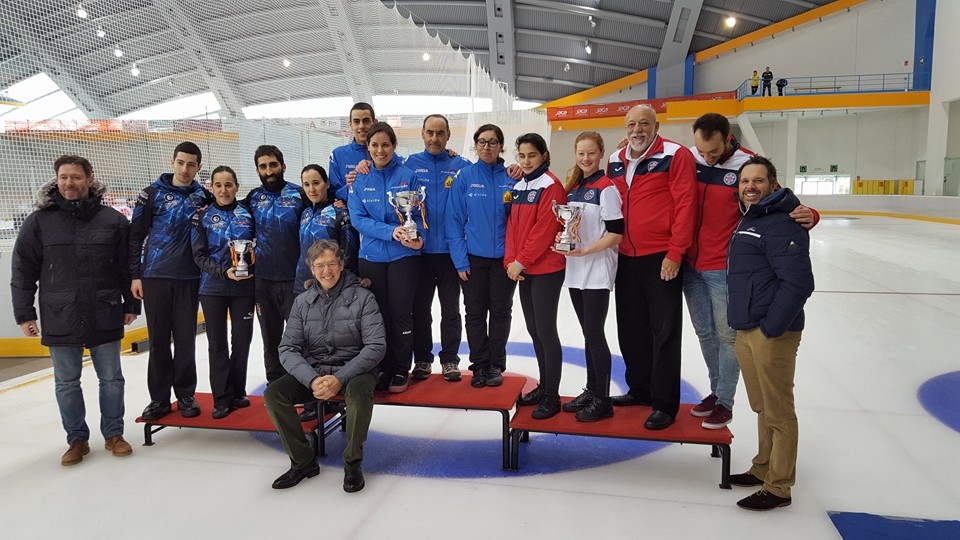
(569, 216)
(240, 249)
(408, 201)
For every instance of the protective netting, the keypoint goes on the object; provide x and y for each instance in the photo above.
(233, 74)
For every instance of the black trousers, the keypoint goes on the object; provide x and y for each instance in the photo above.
(394, 285)
(228, 355)
(539, 299)
(171, 309)
(274, 300)
(488, 292)
(437, 273)
(765, 89)
(649, 323)
(591, 306)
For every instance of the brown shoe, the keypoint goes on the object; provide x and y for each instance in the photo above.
(118, 446)
(75, 453)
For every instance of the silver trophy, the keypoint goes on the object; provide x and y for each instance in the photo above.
(408, 201)
(238, 252)
(569, 217)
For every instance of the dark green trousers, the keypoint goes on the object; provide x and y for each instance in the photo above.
(283, 394)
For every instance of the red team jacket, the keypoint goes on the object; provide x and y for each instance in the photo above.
(532, 226)
(659, 207)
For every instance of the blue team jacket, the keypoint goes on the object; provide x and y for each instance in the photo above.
(477, 211)
(436, 172)
(213, 229)
(160, 230)
(276, 216)
(375, 218)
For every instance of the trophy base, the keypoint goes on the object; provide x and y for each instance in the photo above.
(412, 234)
(241, 273)
(565, 247)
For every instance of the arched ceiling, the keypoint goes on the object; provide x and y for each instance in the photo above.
(355, 48)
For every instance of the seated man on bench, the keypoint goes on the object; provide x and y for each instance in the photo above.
(334, 341)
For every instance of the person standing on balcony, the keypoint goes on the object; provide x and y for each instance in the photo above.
(767, 78)
(754, 83)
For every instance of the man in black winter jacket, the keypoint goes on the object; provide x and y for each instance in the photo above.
(76, 249)
(769, 278)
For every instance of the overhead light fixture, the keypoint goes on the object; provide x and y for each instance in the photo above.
(100, 32)
(426, 56)
(135, 71)
(118, 52)
(593, 23)
(286, 62)
(587, 47)
(566, 68)
(82, 13)
(730, 22)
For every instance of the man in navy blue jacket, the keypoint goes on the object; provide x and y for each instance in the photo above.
(769, 278)
(276, 206)
(167, 280)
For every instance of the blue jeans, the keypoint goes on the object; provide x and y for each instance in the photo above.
(706, 294)
(67, 365)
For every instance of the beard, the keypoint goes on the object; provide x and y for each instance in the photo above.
(272, 180)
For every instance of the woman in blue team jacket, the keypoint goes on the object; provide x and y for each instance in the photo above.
(388, 256)
(223, 293)
(476, 228)
(322, 220)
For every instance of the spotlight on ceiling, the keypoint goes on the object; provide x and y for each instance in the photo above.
(286, 62)
(426, 56)
(135, 71)
(118, 52)
(82, 13)
(730, 22)
(566, 67)
(593, 23)
(587, 47)
(100, 32)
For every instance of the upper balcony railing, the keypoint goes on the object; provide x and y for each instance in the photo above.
(835, 84)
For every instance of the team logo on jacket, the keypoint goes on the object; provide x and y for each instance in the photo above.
(588, 196)
(730, 178)
(508, 197)
(532, 196)
(215, 219)
(448, 182)
(652, 165)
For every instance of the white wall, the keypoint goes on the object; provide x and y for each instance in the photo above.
(873, 145)
(874, 37)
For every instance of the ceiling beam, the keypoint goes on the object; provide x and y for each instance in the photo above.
(671, 69)
(345, 39)
(802, 3)
(727, 12)
(546, 80)
(560, 7)
(48, 60)
(191, 40)
(575, 37)
(563, 59)
(502, 62)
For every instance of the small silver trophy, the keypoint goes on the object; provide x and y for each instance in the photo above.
(408, 201)
(238, 251)
(569, 217)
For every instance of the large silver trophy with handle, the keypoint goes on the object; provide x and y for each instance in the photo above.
(240, 251)
(408, 201)
(569, 217)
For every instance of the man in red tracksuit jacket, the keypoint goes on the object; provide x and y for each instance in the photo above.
(657, 182)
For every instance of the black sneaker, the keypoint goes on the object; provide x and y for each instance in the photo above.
(383, 381)
(398, 383)
(494, 377)
(599, 408)
(548, 406)
(309, 412)
(763, 500)
(578, 402)
(531, 398)
(479, 378)
(188, 407)
(241, 402)
(155, 410)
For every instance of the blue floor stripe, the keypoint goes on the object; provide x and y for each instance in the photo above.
(860, 526)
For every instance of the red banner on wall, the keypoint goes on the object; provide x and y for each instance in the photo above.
(608, 110)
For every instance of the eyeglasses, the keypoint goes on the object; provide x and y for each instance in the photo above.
(323, 266)
(485, 142)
